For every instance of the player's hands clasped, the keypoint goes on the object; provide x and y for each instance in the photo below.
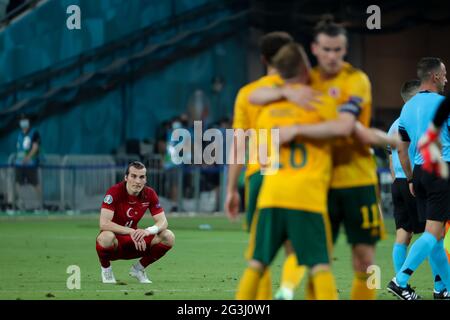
(140, 245)
(139, 234)
(138, 238)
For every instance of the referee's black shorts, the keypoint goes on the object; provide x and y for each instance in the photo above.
(432, 195)
(406, 215)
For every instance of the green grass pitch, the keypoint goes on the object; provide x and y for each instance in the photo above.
(35, 253)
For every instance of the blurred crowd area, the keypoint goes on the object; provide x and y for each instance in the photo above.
(159, 153)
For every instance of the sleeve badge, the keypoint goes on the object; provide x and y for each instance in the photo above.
(108, 199)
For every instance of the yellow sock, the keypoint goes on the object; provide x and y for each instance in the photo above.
(292, 273)
(360, 291)
(264, 291)
(310, 294)
(248, 285)
(324, 285)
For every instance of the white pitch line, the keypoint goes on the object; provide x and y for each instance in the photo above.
(118, 291)
(76, 238)
(159, 290)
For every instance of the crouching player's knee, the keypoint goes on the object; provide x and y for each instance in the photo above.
(167, 238)
(107, 239)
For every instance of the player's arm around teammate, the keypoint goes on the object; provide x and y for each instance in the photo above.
(343, 126)
(302, 96)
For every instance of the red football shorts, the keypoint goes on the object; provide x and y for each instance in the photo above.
(127, 250)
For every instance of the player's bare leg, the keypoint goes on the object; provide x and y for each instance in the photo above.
(106, 246)
(159, 245)
(363, 256)
(403, 236)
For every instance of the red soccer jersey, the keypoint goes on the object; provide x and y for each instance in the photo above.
(128, 209)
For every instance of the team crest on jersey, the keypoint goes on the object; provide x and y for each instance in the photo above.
(130, 213)
(108, 199)
(334, 92)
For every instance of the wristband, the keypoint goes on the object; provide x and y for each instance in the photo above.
(409, 180)
(153, 229)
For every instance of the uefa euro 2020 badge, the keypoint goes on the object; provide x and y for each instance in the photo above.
(108, 199)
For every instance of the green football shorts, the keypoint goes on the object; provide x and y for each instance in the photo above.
(357, 209)
(308, 232)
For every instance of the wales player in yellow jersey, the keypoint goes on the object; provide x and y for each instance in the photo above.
(352, 200)
(245, 116)
(292, 202)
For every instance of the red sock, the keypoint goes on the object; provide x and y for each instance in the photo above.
(155, 252)
(104, 255)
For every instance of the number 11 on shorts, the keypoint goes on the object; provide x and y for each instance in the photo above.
(367, 223)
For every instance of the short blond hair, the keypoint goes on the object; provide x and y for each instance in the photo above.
(290, 60)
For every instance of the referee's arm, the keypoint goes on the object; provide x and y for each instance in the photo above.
(442, 112)
(403, 155)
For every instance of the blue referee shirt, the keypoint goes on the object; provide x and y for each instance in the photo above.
(415, 118)
(396, 165)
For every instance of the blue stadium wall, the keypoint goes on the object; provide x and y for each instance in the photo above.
(98, 126)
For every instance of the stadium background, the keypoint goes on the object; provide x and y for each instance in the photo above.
(110, 92)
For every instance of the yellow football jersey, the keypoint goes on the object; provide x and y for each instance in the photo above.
(353, 164)
(300, 176)
(246, 114)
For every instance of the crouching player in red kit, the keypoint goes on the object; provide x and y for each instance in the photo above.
(123, 206)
